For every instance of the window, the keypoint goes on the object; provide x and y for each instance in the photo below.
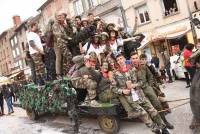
(78, 7)
(12, 42)
(17, 51)
(143, 14)
(94, 3)
(15, 40)
(170, 7)
(20, 64)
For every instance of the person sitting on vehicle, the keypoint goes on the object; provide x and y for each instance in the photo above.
(127, 86)
(144, 74)
(81, 79)
(155, 84)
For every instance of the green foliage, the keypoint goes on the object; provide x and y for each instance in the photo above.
(48, 98)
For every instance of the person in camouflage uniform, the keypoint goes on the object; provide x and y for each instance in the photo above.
(127, 86)
(62, 35)
(34, 53)
(156, 81)
(144, 74)
(82, 79)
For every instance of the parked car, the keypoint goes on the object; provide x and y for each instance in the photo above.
(177, 68)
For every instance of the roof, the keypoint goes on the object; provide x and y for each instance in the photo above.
(3, 34)
(44, 5)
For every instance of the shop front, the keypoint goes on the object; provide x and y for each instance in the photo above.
(171, 38)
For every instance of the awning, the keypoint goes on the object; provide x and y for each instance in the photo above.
(169, 31)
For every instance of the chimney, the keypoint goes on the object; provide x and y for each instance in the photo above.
(16, 20)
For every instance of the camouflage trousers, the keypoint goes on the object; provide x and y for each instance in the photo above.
(37, 66)
(142, 110)
(155, 101)
(107, 95)
(88, 84)
(63, 59)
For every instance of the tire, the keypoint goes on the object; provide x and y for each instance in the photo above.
(32, 115)
(174, 74)
(109, 124)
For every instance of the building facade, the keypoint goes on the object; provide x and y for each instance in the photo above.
(6, 59)
(48, 10)
(110, 11)
(165, 24)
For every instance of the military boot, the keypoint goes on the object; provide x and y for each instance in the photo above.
(165, 131)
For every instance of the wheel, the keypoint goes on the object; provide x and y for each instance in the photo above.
(109, 124)
(174, 74)
(32, 115)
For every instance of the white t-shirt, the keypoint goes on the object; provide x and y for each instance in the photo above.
(91, 49)
(34, 37)
(118, 42)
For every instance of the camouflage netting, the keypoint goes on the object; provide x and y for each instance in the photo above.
(49, 98)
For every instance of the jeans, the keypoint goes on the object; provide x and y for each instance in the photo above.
(9, 104)
(167, 67)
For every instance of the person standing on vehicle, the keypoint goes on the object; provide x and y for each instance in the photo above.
(126, 84)
(144, 74)
(36, 52)
(62, 35)
(187, 64)
(167, 65)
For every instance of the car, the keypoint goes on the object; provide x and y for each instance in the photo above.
(177, 68)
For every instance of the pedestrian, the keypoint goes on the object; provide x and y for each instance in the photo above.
(187, 64)
(8, 98)
(1, 102)
(167, 65)
(155, 61)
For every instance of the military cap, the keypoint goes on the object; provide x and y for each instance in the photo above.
(104, 33)
(78, 59)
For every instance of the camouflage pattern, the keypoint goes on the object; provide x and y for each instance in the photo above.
(140, 108)
(146, 77)
(78, 81)
(63, 54)
(38, 68)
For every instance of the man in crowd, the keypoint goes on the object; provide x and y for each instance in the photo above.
(144, 74)
(8, 98)
(62, 35)
(127, 85)
(36, 53)
(167, 64)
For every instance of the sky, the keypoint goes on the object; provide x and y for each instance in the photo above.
(23, 8)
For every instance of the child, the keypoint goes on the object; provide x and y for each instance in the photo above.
(162, 73)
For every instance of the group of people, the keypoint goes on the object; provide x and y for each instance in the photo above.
(102, 60)
(7, 93)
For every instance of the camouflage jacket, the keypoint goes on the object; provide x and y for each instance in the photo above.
(119, 82)
(145, 75)
(62, 35)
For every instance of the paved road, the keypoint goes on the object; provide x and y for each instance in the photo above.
(18, 123)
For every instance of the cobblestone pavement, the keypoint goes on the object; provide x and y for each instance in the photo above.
(18, 123)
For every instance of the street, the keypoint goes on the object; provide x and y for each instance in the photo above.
(18, 123)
